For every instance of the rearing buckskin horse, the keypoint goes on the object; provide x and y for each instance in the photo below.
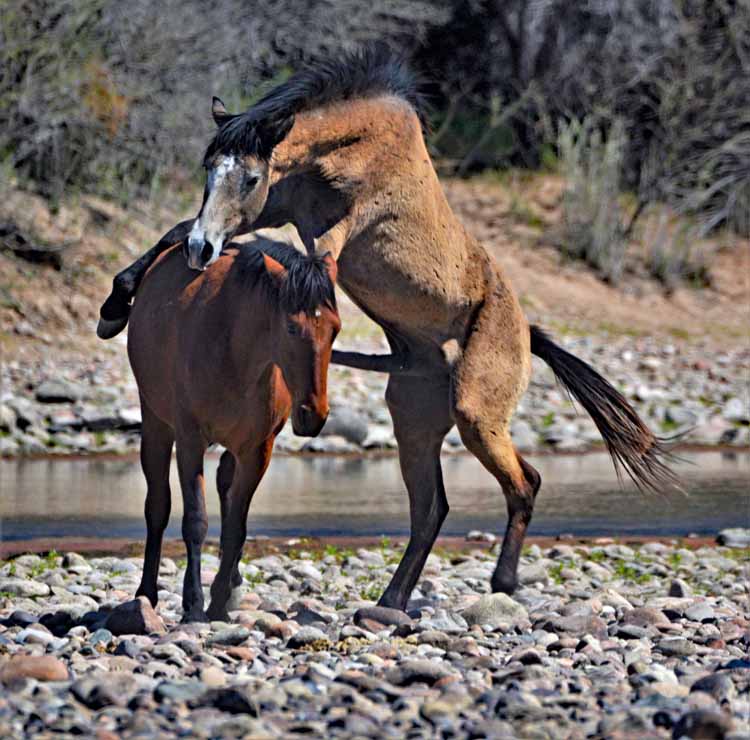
(338, 151)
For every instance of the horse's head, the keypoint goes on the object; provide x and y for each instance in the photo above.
(308, 323)
(236, 190)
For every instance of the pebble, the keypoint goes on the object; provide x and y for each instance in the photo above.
(495, 610)
(600, 656)
(39, 667)
(135, 617)
(91, 405)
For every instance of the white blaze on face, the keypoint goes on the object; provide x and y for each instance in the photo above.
(203, 230)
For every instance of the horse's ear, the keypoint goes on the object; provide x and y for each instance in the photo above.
(219, 112)
(275, 269)
(272, 131)
(331, 266)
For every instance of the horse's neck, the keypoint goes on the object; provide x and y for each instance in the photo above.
(336, 175)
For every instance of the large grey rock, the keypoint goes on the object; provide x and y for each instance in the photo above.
(382, 615)
(307, 636)
(27, 414)
(347, 423)
(719, 685)
(533, 573)
(736, 410)
(379, 437)
(108, 689)
(704, 724)
(58, 391)
(332, 444)
(7, 418)
(408, 672)
(8, 447)
(577, 625)
(681, 416)
(129, 418)
(135, 617)
(234, 635)
(523, 435)
(734, 537)
(494, 610)
(24, 587)
(98, 419)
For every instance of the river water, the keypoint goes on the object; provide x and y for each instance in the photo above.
(580, 495)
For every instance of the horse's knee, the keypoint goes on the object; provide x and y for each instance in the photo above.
(194, 527)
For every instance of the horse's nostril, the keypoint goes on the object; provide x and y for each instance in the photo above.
(207, 252)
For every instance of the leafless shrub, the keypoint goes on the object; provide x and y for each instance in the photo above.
(114, 97)
(675, 252)
(594, 227)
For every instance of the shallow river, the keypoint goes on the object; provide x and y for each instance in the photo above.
(580, 495)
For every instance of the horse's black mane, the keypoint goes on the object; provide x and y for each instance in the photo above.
(307, 285)
(368, 72)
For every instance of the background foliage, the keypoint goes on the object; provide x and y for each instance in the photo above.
(113, 97)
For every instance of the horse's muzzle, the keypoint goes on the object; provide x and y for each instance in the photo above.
(306, 422)
(199, 253)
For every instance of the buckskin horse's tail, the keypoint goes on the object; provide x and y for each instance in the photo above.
(629, 441)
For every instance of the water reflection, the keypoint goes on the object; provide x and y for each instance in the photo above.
(580, 494)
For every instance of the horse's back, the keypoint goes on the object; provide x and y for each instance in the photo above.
(189, 337)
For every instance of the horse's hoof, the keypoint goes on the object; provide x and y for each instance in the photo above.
(108, 328)
(195, 615)
(218, 615)
(504, 586)
(152, 597)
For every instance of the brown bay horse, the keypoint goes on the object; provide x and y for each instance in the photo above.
(338, 151)
(225, 356)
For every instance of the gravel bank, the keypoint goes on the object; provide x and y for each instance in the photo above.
(72, 407)
(599, 641)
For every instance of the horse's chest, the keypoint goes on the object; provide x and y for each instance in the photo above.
(395, 288)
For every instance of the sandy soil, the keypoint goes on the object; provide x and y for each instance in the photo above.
(517, 219)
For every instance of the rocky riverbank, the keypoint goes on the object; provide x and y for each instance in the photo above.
(604, 640)
(63, 405)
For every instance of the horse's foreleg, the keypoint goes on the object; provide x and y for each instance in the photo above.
(421, 419)
(224, 477)
(393, 364)
(157, 439)
(250, 468)
(190, 450)
(114, 312)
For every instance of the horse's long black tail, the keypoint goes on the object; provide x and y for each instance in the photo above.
(629, 441)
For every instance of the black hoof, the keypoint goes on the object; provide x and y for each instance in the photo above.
(153, 598)
(106, 329)
(218, 615)
(503, 586)
(195, 615)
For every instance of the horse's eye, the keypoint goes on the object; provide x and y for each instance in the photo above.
(292, 329)
(249, 182)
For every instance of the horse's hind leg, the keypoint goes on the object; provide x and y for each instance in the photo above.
(191, 448)
(488, 380)
(250, 467)
(421, 419)
(520, 483)
(157, 439)
(224, 476)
